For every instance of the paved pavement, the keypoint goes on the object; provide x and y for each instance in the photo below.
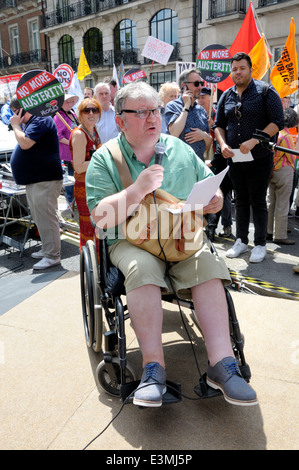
(49, 397)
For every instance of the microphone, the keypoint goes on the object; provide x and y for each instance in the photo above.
(159, 150)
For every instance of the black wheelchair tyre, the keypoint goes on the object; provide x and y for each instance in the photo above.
(90, 297)
(111, 385)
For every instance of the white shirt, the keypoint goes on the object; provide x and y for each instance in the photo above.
(107, 127)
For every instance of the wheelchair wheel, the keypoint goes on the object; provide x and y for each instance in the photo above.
(90, 296)
(111, 385)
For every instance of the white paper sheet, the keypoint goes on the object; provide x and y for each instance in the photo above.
(241, 157)
(201, 193)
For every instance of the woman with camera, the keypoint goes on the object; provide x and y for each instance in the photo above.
(84, 140)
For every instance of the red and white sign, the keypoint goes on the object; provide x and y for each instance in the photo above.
(132, 75)
(157, 50)
(8, 84)
(64, 74)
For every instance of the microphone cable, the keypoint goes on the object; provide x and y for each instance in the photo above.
(176, 295)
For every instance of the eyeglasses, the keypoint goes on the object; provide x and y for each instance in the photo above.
(90, 110)
(143, 113)
(197, 83)
(238, 113)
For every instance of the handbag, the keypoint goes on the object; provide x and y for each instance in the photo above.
(171, 237)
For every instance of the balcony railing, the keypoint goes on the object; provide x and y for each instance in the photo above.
(79, 10)
(220, 8)
(7, 4)
(24, 58)
(267, 3)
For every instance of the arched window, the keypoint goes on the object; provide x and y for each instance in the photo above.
(125, 35)
(164, 26)
(67, 51)
(93, 47)
(125, 42)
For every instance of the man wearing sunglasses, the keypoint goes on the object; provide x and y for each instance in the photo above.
(185, 118)
(243, 109)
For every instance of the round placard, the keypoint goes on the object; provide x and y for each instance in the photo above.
(40, 93)
(64, 74)
(214, 63)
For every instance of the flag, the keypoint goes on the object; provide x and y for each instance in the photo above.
(115, 76)
(284, 75)
(83, 67)
(246, 39)
(121, 73)
(75, 89)
(259, 55)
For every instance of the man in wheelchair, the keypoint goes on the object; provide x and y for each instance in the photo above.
(139, 120)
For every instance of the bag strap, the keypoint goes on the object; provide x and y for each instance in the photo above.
(120, 162)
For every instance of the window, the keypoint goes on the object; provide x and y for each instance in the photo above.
(93, 47)
(14, 39)
(164, 26)
(33, 33)
(67, 51)
(125, 35)
(157, 79)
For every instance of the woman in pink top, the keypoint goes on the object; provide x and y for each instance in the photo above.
(281, 183)
(65, 121)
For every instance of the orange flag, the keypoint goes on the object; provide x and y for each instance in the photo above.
(260, 59)
(246, 39)
(284, 75)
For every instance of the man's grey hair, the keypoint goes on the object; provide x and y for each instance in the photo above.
(14, 103)
(134, 91)
(185, 75)
(99, 85)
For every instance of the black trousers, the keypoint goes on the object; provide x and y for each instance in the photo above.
(250, 182)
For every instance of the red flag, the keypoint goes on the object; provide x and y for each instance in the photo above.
(246, 39)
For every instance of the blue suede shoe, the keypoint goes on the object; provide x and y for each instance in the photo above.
(152, 386)
(226, 376)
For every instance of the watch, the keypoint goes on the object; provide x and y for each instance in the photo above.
(185, 109)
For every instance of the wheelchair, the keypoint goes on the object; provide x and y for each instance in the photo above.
(104, 317)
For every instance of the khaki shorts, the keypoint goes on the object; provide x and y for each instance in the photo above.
(141, 268)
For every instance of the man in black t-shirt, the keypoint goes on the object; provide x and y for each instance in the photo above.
(35, 162)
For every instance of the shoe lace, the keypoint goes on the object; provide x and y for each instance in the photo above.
(232, 368)
(151, 370)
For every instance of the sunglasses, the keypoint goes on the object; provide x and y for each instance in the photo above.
(197, 83)
(238, 113)
(90, 110)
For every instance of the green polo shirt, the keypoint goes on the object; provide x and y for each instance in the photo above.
(182, 168)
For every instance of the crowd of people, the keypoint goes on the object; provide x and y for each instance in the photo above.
(213, 131)
(200, 139)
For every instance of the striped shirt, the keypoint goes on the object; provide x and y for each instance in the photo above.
(281, 159)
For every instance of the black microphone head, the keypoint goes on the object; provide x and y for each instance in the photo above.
(160, 147)
(159, 150)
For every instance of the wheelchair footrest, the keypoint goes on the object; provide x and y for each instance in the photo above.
(172, 395)
(203, 390)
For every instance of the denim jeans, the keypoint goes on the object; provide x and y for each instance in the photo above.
(250, 181)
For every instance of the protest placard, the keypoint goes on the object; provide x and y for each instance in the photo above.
(40, 93)
(157, 50)
(64, 74)
(214, 63)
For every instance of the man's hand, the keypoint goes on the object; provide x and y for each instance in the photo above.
(16, 119)
(227, 151)
(195, 135)
(149, 179)
(187, 96)
(246, 146)
(215, 204)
